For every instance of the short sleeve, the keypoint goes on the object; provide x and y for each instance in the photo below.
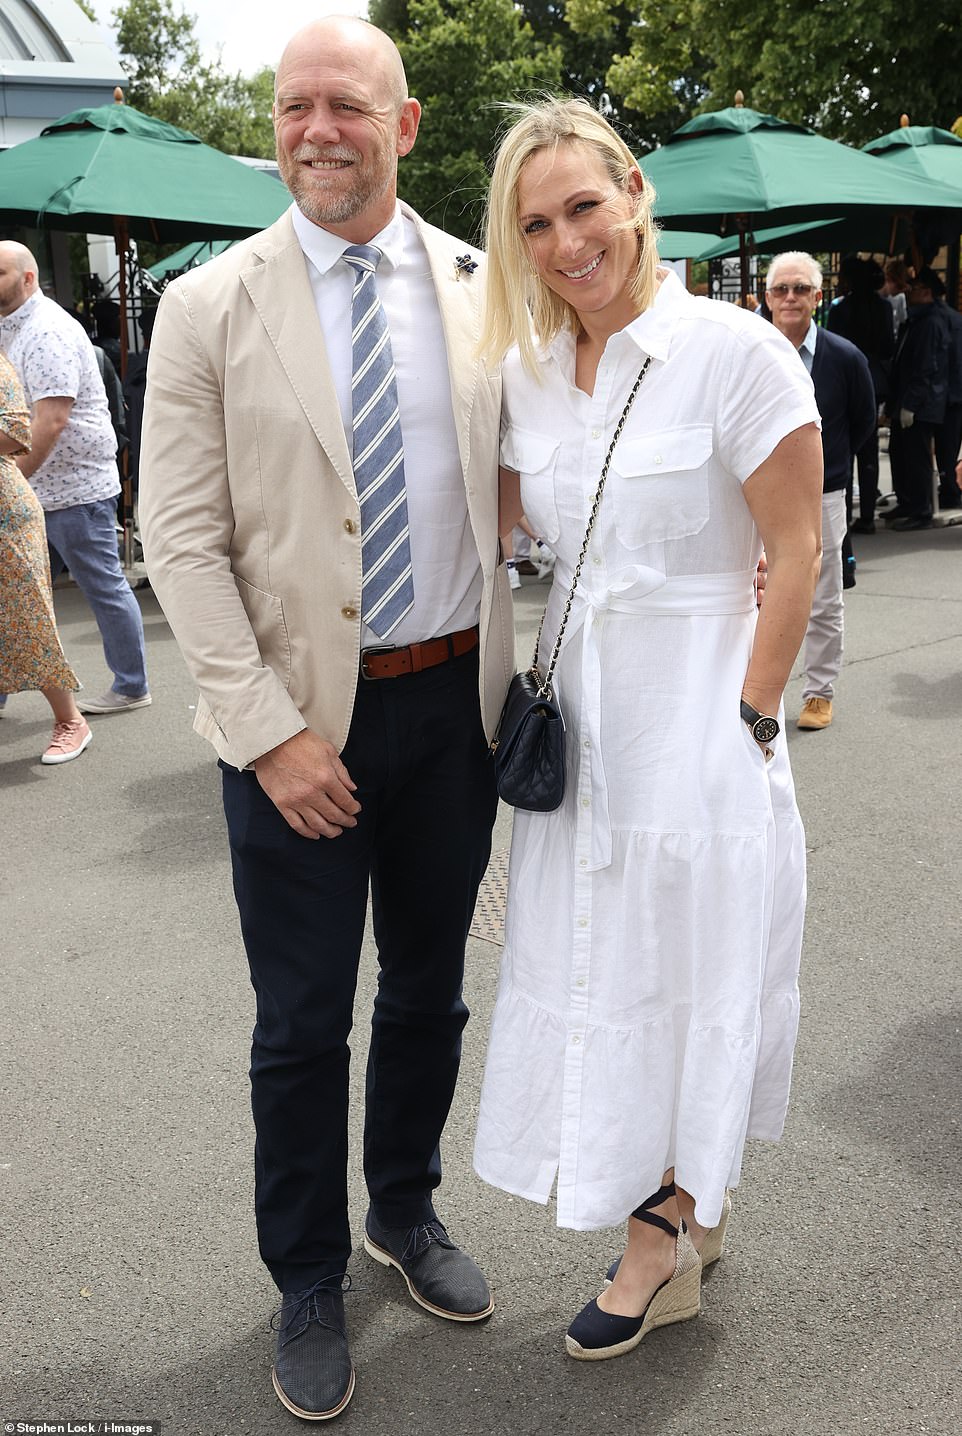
(51, 368)
(768, 394)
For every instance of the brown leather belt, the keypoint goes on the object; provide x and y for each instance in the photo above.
(392, 662)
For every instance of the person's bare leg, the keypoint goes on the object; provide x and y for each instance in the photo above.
(63, 703)
(686, 1206)
(648, 1262)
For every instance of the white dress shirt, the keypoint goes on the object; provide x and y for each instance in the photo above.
(444, 555)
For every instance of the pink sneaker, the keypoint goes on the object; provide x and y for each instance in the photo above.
(68, 741)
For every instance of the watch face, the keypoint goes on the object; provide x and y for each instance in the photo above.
(764, 730)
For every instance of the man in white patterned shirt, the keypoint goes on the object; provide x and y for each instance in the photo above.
(72, 467)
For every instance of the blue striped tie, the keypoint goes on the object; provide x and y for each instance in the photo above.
(388, 588)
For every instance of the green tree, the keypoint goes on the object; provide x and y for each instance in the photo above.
(88, 10)
(463, 59)
(847, 70)
(169, 78)
(648, 56)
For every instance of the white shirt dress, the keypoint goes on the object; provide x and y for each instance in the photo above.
(647, 1007)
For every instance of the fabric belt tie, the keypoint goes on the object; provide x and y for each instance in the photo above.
(637, 590)
(393, 662)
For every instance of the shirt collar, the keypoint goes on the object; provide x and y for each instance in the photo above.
(19, 317)
(651, 332)
(806, 350)
(324, 249)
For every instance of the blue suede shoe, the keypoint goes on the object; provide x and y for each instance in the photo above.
(313, 1375)
(440, 1277)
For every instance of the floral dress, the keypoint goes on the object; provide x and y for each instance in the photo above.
(30, 652)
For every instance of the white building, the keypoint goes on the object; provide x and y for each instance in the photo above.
(53, 59)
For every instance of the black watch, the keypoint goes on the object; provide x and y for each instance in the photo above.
(762, 728)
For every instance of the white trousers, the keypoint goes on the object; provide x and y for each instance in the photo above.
(823, 637)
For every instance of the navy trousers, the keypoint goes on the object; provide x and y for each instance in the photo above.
(910, 455)
(417, 752)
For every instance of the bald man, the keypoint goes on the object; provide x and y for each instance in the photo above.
(72, 467)
(319, 512)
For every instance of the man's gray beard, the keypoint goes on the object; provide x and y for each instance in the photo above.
(332, 208)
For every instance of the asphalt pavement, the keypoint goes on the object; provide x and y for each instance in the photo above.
(130, 1284)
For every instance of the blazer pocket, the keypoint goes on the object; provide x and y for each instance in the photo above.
(535, 457)
(265, 613)
(660, 488)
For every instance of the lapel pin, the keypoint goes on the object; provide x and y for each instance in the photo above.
(464, 264)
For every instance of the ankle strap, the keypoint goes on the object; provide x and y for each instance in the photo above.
(654, 1219)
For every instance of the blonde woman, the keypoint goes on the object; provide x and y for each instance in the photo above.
(648, 1003)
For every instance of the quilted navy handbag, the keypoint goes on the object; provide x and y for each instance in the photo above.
(528, 746)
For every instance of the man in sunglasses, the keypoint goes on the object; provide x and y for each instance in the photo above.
(845, 396)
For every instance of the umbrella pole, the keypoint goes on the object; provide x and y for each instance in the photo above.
(744, 282)
(122, 243)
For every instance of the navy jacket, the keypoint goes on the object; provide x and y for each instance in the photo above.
(845, 396)
(920, 369)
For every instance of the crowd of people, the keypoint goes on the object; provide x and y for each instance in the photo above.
(346, 419)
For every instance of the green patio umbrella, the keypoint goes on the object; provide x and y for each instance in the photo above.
(113, 170)
(731, 170)
(93, 167)
(189, 257)
(685, 244)
(924, 151)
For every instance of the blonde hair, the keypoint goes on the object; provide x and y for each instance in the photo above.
(516, 299)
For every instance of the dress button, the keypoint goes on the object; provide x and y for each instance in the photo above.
(349, 612)
(582, 982)
(596, 433)
(582, 922)
(586, 743)
(596, 559)
(657, 458)
(576, 1041)
(582, 862)
(349, 526)
(586, 802)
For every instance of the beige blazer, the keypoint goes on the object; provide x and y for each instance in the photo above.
(248, 509)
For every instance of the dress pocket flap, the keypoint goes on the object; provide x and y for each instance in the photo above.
(527, 452)
(666, 452)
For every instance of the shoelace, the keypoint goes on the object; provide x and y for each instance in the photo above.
(309, 1305)
(63, 732)
(421, 1237)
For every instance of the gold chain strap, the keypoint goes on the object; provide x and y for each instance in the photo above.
(544, 688)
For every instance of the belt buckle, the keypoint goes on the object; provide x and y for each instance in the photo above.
(382, 648)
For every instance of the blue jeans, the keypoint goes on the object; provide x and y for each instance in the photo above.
(83, 539)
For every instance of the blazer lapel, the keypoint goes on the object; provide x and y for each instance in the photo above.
(459, 319)
(281, 293)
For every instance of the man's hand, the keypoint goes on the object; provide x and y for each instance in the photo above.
(906, 418)
(958, 474)
(309, 786)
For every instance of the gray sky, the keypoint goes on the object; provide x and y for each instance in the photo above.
(249, 33)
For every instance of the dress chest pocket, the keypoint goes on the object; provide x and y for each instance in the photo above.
(660, 488)
(535, 457)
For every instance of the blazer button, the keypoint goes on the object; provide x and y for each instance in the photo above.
(349, 612)
(349, 526)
